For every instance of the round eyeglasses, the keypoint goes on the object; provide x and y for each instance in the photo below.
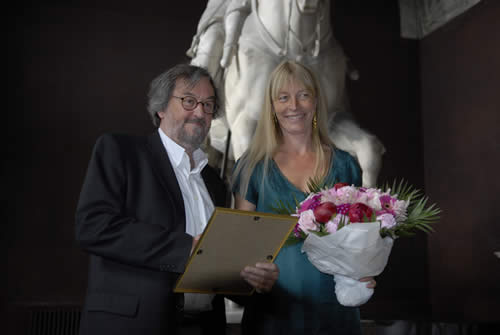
(189, 103)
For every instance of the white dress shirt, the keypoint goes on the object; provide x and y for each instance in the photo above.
(197, 204)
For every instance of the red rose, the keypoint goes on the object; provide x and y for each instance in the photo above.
(323, 213)
(358, 211)
(339, 185)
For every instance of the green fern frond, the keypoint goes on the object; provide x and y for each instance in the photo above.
(402, 190)
(297, 203)
(283, 208)
(292, 240)
(420, 217)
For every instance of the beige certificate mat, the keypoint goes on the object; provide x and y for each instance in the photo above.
(232, 240)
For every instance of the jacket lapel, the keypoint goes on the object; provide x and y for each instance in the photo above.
(163, 168)
(208, 183)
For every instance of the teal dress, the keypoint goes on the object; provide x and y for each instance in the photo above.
(303, 300)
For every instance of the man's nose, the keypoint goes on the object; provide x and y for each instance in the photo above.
(198, 110)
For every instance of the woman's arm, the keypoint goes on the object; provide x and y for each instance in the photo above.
(245, 205)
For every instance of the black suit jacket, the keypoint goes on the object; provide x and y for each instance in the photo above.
(130, 218)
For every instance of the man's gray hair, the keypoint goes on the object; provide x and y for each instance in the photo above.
(162, 88)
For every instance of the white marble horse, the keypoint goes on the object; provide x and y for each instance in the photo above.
(272, 30)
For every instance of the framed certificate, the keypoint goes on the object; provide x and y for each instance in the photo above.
(232, 240)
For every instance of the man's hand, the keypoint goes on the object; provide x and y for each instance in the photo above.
(262, 276)
(195, 241)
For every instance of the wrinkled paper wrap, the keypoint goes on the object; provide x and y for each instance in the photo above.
(353, 252)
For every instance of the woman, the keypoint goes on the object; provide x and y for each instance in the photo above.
(291, 146)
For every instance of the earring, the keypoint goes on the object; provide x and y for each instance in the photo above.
(315, 122)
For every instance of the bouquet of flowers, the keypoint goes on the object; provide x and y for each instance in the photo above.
(349, 231)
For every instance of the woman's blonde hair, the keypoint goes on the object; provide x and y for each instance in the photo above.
(268, 134)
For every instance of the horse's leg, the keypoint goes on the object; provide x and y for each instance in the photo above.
(344, 132)
(209, 51)
(330, 69)
(242, 130)
(245, 85)
(365, 147)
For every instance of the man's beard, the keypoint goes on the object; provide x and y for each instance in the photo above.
(194, 140)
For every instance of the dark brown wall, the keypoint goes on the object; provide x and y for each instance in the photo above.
(460, 66)
(385, 101)
(76, 69)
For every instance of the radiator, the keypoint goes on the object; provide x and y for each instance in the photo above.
(54, 321)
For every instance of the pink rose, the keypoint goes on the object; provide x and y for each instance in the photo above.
(387, 220)
(331, 226)
(306, 222)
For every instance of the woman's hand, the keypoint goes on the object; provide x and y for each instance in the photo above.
(262, 276)
(370, 280)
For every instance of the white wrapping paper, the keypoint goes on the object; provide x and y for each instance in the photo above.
(351, 253)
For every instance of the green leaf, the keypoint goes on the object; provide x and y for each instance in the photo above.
(420, 216)
(282, 208)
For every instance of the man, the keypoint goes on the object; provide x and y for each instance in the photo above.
(143, 204)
